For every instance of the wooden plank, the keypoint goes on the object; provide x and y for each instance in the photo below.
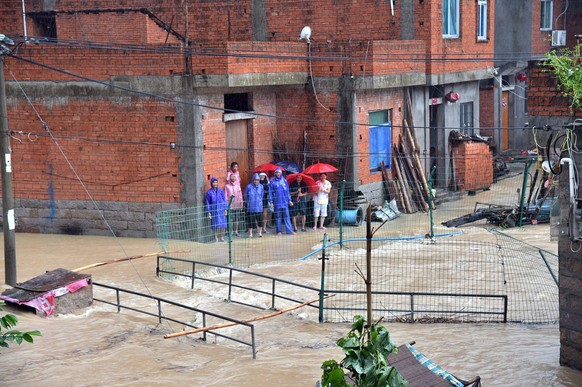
(230, 324)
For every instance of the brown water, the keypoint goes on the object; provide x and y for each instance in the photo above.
(99, 347)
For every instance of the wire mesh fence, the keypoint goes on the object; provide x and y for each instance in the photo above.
(422, 270)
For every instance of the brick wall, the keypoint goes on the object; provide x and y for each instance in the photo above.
(541, 40)
(124, 28)
(99, 64)
(450, 55)
(486, 111)
(117, 155)
(543, 96)
(473, 165)
(261, 57)
(370, 101)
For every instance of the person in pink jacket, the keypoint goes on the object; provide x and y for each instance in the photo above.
(236, 213)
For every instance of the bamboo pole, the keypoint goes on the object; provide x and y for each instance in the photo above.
(414, 174)
(127, 259)
(230, 324)
(416, 152)
(401, 181)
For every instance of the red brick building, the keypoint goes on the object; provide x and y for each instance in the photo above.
(143, 105)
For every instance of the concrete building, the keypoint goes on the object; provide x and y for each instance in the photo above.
(143, 105)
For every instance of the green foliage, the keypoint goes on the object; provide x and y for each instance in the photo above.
(11, 335)
(567, 67)
(366, 352)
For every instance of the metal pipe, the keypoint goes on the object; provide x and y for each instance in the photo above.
(574, 229)
(24, 19)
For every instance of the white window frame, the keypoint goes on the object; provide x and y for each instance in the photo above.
(451, 18)
(546, 14)
(482, 20)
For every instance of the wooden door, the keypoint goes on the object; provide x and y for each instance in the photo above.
(237, 148)
(504, 120)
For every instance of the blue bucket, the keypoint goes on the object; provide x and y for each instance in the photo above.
(350, 217)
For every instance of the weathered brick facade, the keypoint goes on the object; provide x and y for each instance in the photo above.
(311, 100)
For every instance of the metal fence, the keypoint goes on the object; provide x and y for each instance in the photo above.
(422, 269)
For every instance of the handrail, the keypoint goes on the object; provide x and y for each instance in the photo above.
(161, 316)
(230, 282)
(321, 307)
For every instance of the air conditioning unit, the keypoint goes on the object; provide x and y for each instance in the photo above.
(558, 38)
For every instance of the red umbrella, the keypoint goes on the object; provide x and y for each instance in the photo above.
(267, 168)
(308, 180)
(320, 168)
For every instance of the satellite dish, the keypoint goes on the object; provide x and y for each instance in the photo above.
(305, 34)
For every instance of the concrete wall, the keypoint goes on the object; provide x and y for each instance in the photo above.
(513, 30)
(450, 112)
(76, 217)
(547, 107)
(570, 276)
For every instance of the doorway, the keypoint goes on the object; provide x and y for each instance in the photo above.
(504, 120)
(237, 148)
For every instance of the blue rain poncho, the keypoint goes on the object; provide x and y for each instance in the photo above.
(216, 205)
(254, 195)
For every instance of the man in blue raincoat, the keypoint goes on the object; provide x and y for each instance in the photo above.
(216, 208)
(280, 200)
(253, 197)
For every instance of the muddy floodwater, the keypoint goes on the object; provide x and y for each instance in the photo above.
(98, 346)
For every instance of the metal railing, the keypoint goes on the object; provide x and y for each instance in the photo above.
(400, 314)
(411, 309)
(162, 316)
(231, 281)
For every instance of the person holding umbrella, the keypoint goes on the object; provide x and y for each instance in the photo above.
(280, 201)
(320, 201)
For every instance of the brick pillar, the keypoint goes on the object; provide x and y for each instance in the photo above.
(473, 165)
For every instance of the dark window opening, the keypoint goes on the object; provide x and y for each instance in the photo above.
(45, 24)
(238, 102)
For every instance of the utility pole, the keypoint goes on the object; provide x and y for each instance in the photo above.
(7, 194)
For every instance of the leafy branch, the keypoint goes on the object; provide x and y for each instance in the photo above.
(12, 335)
(567, 67)
(366, 350)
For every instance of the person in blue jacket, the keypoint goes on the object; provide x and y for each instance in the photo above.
(253, 197)
(216, 207)
(280, 200)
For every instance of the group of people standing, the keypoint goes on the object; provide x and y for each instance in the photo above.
(263, 197)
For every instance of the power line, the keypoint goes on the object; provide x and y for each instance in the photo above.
(210, 107)
(257, 54)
